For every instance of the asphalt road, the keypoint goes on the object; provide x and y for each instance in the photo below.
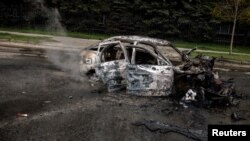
(62, 107)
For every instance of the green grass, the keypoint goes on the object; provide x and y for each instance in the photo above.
(23, 38)
(87, 35)
(70, 34)
(217, 47)
(177, 43)
(233, 57)
(212, 46)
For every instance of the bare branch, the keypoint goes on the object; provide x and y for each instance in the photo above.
(229, 4)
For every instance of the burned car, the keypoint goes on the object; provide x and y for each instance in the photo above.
(131, 62)
(141, 65)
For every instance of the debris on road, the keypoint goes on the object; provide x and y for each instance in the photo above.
(153, 126)
(22, 115)
(190, 95)
(188, 98)
(47, 102)
(210, 89)
(237, 117)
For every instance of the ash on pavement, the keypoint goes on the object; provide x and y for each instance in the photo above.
(62, 108)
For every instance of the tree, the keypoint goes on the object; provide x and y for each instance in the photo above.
(183, 19)
(233, 11)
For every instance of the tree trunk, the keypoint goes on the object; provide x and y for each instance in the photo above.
(236, 6)
(232, 36)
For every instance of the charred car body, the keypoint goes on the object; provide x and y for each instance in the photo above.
(130, 62)
(139, 65)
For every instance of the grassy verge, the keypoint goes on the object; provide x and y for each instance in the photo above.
(23, 38)
(87, 35)
(70, 34)
(217, 47)
(180, 44)
(233, 57)
(212, 46)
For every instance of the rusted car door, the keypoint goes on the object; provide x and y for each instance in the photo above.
(111, 65)
(148, 74)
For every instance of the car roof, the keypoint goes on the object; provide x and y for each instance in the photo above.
(133, 38)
